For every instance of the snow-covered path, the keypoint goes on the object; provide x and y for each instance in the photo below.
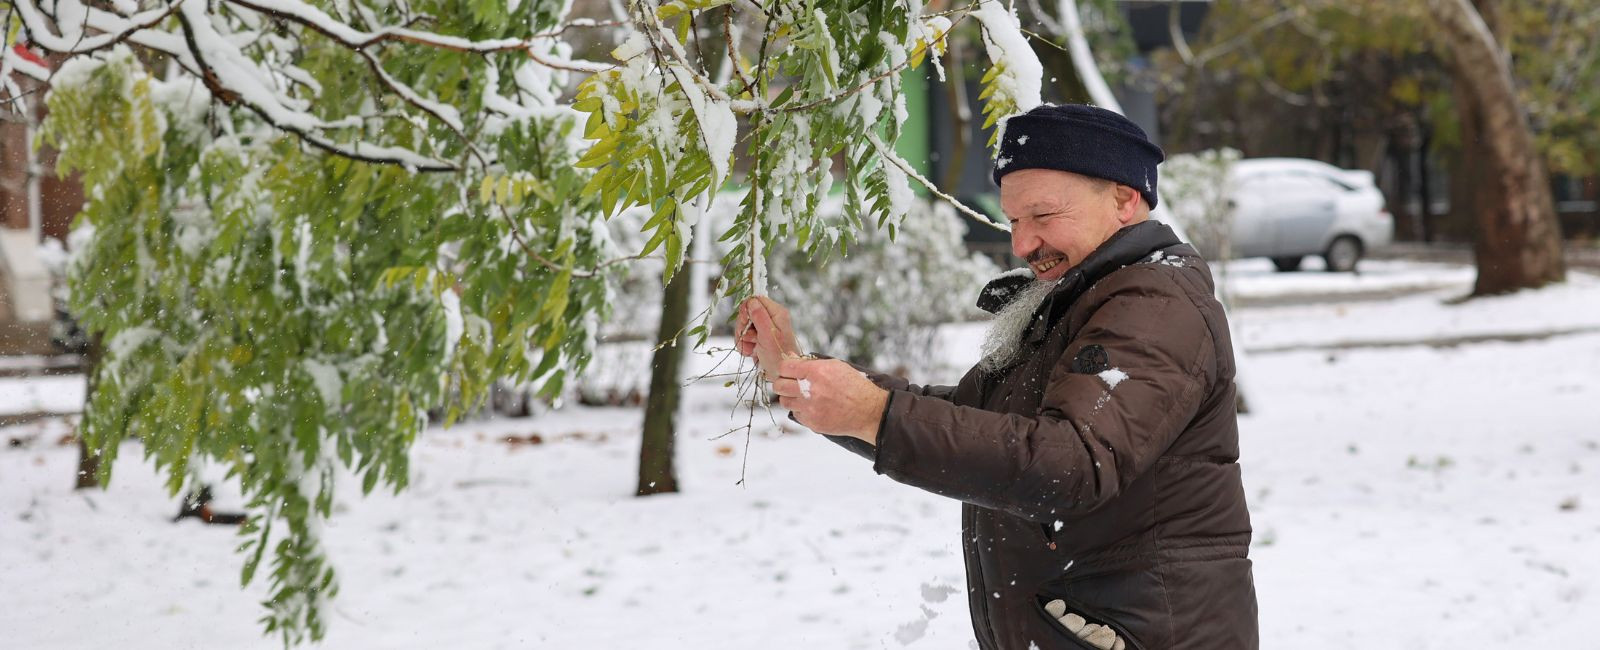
(1412, 497)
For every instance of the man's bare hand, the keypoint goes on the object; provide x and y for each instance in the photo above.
(764, 331)
(831, 397)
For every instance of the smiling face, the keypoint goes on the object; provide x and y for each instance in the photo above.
(1058, 218)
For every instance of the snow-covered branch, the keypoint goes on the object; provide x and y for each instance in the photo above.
(237, 80)
(201, 42)
(320, 22)
(73, 39)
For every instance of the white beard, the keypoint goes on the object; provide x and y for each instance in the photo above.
(1001, 344)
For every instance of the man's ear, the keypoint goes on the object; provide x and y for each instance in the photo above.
(1127, 202)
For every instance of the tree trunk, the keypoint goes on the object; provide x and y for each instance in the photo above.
(1425, 187)
(88, 461)
(1401, 156)
(1518, 239)
(656, 471)
(88, 467)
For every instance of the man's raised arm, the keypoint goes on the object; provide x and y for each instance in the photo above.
(1092, 435)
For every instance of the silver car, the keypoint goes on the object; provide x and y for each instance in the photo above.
(1289, 208)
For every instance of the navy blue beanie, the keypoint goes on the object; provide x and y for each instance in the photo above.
(1082, 139)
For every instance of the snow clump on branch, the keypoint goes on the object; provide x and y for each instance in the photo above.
(1017, 80)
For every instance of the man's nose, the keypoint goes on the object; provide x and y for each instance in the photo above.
(1023, 241)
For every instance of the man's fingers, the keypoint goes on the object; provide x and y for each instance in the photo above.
(775, 312)
(743, 324)
(786, 387)
(788, 402)
(759, 326)
(794, 368)
(763, 320)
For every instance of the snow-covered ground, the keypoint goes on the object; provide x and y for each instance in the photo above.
(1396, 304)
(1256, 280)
(1415, 496)
(59, 394)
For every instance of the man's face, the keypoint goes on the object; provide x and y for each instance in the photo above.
(1058, 218)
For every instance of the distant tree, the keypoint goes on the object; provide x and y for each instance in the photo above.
(1518, 241)
(1505, 98)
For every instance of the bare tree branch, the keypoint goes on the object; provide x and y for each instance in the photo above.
(1242, 38)
(1175, 30)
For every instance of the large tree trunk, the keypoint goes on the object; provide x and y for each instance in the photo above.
(656, 471)
(1518, 239)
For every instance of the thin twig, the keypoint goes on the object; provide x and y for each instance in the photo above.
(410, 96)
(733, 52)
(590, 24)
(887, 154)
(893, 70)
(1242, 38)
(1042, 39)
(569, 66)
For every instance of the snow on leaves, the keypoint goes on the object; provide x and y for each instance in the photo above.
(1012, 84)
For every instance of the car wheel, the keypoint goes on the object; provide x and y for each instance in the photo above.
(1343, 254)
(1287, 264)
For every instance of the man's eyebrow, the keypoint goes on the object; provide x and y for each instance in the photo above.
(1043, 206)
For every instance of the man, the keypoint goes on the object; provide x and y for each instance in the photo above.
(1095, 447)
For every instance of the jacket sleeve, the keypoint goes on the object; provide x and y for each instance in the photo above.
(1092, 435)
(892, 383)
(889, 383)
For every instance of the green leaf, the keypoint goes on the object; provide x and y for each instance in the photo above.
(248, 572)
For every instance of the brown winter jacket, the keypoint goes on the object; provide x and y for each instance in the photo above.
(1101, 468)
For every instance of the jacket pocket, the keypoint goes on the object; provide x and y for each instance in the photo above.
(1090, 615)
